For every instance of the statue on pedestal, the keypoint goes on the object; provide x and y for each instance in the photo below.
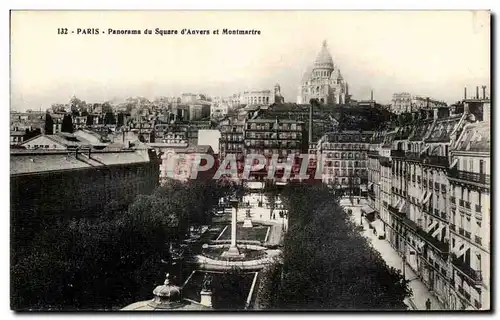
(207, 282)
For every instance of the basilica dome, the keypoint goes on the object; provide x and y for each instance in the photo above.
(324, 59)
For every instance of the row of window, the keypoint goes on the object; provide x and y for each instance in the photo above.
(274, 135)
(347, 146)
(274, 126)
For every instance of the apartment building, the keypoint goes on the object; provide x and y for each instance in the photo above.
(433, 201)
(469, 204)
(347, 169)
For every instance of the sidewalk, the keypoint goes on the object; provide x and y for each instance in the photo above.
(420, 292)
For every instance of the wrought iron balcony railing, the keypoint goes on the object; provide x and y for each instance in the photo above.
(481, 178)
(467, 270)
(438, 161)
(397, 153)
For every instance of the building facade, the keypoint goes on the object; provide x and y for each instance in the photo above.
(434, 198)
(347, 167)
(403, 102)
(470, 219)
(323, 81)
(49, 186)
(232, 138)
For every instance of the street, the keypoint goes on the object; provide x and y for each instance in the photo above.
(393, 259)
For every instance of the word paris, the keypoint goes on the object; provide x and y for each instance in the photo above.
(299, 165)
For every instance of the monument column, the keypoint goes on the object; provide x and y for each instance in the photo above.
(234, 218)
(233, 249)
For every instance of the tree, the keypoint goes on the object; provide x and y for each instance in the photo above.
(329, 265)
(109, 118)
(90, 120)
(49, 124)
(121, 119)
(67, 124)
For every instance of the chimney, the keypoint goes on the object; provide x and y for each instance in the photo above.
(436, 113)
(465, 93)
(477, 92)
(371, 95)
(310, 122)
(484, 92)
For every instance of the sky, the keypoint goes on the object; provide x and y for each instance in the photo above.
(429, 53)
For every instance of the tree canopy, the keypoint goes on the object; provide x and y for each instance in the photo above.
(109, 261)
(327, 263)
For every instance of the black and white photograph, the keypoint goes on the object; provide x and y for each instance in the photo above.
(244, 160)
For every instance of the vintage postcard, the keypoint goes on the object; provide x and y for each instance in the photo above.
(250, 160)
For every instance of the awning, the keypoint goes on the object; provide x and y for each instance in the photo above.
(370, 184)
(367, 209)
(454, 163)
(401, 205)
(405, 207)
(429, 194)
(397, 203)
(422, 197)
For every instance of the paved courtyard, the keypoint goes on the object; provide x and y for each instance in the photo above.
(393, 259)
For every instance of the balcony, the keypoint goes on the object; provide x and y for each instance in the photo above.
(467, 234)
(437, 161)
(465, 269)
(467, 205)
(452, 227)
(464, 293)
(439, 245)
(373, 154)
(478, 240)
(397, 153)
(444, 215)
(461, 231)
(413, 156)
(478, 208)
(470, 176)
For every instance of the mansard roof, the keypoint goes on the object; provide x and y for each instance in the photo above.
(476, 137)
(442, 129)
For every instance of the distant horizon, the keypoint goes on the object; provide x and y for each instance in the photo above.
(419, 52)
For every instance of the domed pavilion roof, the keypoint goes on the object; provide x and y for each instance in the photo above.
(166, 296)
(324, 59)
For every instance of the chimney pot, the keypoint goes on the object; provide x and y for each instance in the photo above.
(477, 92)
(484, 92)
(465, 93)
